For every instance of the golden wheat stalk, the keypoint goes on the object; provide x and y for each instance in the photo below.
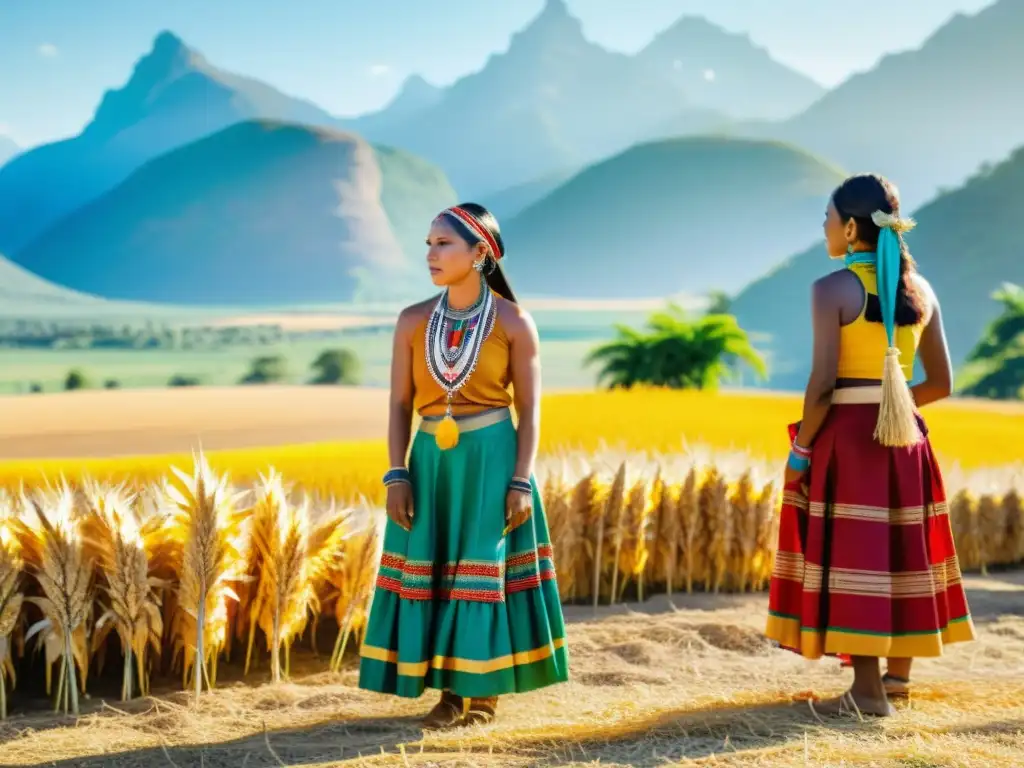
(11, 597)
(122, 543)
(688, 512)
(53, 544)
(611, 511)
(295, 555)
(208, 527)
(353, 578)
(576, 552)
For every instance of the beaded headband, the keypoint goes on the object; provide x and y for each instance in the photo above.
(474, 226)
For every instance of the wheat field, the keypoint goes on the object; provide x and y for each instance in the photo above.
(257, 567)
(123, 436)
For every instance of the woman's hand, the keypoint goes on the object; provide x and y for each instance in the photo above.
(399, 505)
(793, 475)
(518, 509)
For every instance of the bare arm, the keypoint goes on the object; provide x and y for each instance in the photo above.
(400, 406)
(525, 363)
(822, 382)
(934, 354)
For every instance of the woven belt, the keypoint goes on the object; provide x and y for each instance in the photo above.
(857, 395)
(468, 423)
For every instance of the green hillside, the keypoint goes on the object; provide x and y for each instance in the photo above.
(967, 243)
(684, 215)
(260, 213)
(23, 293)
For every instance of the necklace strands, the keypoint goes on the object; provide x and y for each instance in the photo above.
(454, 339)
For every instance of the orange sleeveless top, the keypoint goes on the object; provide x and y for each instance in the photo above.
(862, 344)
(487, 387)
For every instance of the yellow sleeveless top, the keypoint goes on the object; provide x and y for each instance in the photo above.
(862, 344)
(487, 387)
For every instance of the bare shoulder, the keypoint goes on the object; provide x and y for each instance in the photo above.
(514, 319)
(925, 291)
(410, 317)
(837, 286)
(925, 288)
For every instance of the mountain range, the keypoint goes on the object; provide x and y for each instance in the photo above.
(727, 72)
(8, 149)
(260, 213)
(173, 97)
(590, 158)
(926, 118)
(967, 243)
(713, 213)
(555, 100)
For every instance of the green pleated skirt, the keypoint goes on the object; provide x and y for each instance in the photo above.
(458, 605)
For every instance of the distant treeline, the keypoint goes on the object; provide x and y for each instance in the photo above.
(36, 334)
(332, 366)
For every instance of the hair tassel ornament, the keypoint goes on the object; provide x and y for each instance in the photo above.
(897, 418)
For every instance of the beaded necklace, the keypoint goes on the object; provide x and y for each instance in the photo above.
(454, 338)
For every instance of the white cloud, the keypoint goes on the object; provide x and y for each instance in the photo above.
(48, 50)
(709, 75)
(379, 70)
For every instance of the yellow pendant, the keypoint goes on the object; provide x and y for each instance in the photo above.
(447, 434)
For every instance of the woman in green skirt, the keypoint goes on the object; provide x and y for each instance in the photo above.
(466, 600)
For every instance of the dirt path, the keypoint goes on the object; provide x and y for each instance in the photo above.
(682, 682)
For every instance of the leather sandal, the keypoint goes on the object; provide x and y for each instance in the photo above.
(446, 713)
(896, 687)
(481, 711)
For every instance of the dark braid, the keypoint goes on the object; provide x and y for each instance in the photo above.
(857, 198)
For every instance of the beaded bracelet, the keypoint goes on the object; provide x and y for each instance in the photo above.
(799, 450)
(520, 484)
(798, 462)
(397, 475)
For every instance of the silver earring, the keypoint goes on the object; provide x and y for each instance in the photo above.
(478, 265)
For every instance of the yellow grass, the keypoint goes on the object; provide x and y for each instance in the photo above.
(968, 435)
(691, 685)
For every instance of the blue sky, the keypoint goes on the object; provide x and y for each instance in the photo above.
(58, 56)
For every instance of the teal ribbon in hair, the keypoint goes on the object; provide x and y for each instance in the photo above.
(886, 261)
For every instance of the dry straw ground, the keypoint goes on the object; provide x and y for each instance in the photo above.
(690, 684)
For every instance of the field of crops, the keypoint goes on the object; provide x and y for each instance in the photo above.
(186, 572)
(979, 438)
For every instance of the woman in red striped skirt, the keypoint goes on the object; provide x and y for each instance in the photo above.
(866, 566)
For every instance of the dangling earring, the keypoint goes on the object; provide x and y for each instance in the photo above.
(478, 265)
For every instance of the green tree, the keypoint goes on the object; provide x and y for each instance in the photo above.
(267, 369)
(719, 303)
(336, 366)
(183, 380)
(678, 352)
(995, 367)
(76, 379)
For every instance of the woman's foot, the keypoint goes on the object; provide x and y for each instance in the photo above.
(446, 713)
(851, 703)
(481, 711)
(896, 687)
